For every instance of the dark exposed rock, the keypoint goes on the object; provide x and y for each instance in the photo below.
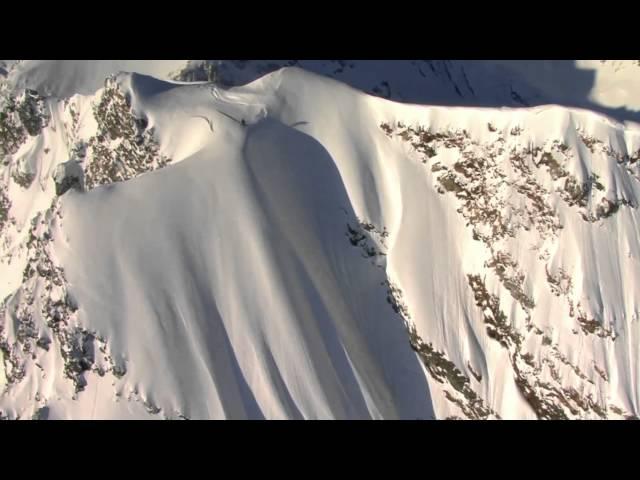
(135, 151)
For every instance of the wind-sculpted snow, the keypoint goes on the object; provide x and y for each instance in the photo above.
(295, 248)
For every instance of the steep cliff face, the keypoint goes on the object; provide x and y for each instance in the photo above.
(296, 248)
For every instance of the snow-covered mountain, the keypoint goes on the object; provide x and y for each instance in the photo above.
(292, 239)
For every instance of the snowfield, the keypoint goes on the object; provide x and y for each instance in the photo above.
(295, 248)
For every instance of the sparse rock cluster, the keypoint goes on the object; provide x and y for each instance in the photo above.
(5, 204)
(501, 199)
(21, 116)
(123, 147)
(203, 71)
(370, 239)
(445, 372)
(539, 380)
(39, 319)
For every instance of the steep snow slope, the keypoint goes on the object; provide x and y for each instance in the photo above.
(309, 251)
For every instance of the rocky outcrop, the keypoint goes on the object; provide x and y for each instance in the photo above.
(68, 175)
